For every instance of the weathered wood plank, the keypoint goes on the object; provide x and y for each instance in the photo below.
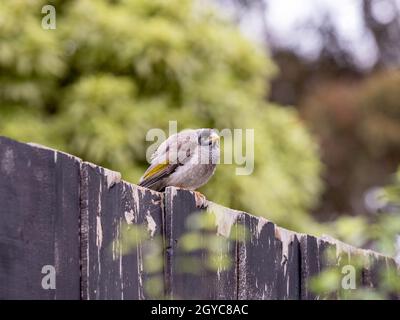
(370, 268)
(328, 260)
(182, 280)
(289, 271)
(224, 283)
(39, 225)
(260, 257)
(57, 211)
(108, 207)
(316, 257)
(310, 265)
(380, 272)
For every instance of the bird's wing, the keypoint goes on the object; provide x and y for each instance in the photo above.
(156, 173)
(171, 154)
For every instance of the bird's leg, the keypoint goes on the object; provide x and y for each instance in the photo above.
(201, 201)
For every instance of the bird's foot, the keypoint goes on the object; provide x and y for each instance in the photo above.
(201, 201)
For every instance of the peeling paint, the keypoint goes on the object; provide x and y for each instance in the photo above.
(114, 257)
(113, 177)
(174, 191)
(140, 271)
(99, 232)
(92, 165)
(138, 203)
(56, 152)
(346, 248)
(224, 218)
(151, 224)
(8, 162)
(99, 229)
(286, 237)
(261, 223)
(135, 196)
(242, 279)
(129, 216)
(99, 200)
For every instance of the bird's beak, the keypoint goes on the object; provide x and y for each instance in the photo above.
(214, 137)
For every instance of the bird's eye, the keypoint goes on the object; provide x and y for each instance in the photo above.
(204, 140)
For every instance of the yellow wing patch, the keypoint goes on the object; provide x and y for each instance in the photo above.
(155, 170)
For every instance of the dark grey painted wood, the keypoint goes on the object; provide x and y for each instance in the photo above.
(181, 283)
(376, 272)
(107, 208)
(39, 221)
(327, 260)
(56, 210)
(260, 259)
(310, 265)
(289, 271)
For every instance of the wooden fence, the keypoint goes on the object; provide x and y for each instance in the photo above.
(57, 210)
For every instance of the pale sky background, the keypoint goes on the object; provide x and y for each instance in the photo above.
(285, 16)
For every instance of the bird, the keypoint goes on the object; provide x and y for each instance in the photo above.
(186, 160)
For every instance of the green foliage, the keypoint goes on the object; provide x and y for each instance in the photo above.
(114, 69)
(136, 239)
(329, 284)
(358, 126)
(200, 250)
(380, 235)
(377, 232)
(380, 125)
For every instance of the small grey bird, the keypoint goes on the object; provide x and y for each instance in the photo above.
(185, 160)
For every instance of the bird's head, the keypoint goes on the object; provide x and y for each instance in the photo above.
(208, 137)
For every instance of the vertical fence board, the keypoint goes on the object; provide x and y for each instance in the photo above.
(381, 271)
(57, 210)
(224, 283)
(309, 265)
(260, 258)
(181, 280)
(109, 206)
(39, 225)
(289, 270)
(327, 252)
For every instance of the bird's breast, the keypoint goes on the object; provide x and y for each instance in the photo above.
(192, 177)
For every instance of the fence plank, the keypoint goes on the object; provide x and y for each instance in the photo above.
(289, 270)
(259, 260)
(59, 211)
(381, 272)
(39, 225)
(109, 207)
(182, 280)
(309, 265)
(327, 256)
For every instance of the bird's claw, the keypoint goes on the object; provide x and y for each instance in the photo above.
(201, 201)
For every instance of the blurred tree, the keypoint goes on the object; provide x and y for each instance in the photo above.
(381, 233)
(114, 69)
(358, 125)
(382, 21)
(355, 121)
